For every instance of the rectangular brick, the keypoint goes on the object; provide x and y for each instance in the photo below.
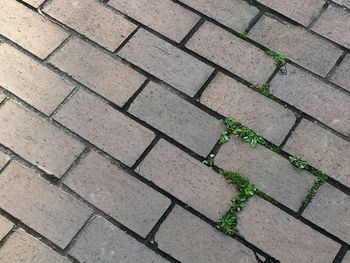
(117, 193)
(268, 171)
(101, 241)
(107, 128)
(91, 19)
(188, 239)
(160, 107)
(42, 206)
(100, 72)
(36, 140)
(34, 3)
(282, 236)
(5, 227)
(300, 46)
(322, 149)
(27, 29)
(232, 99)
(341, 74)
(164, 16)
(166, 62)
(31, 81)
(232, 53)
(187, 179)
(3, 160)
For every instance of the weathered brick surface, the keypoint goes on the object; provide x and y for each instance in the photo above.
(101, 241)
(300, 46)
(3, 159)
(188, 239)
(117, 193)
(164, 16)
(160, 107)
(330, 209)
(91, 19)
(32, 82)
(23, 248)
(232, 99)
(347, 256)
(314, 97)
(103, 74)
(270, 172)
(166, 62)
(232, 53)
(5, 227)
(341, 74)
(36, 140)
(187, 179)
(34, 3)
(27, 28)
(45, 208)
(282, 236)
(334, 24)
(235, 14)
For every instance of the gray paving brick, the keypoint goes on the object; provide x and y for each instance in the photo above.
(108, 187)
(5, 227)
(232, 53)
(166, 62)
(347, 256)
(306, 49)
(188, 239)
(282, 236)
(3, 159)
(2, 97)
(344, 3)
(341, 74)
(34, 3)
(42, 206)
(160, 107)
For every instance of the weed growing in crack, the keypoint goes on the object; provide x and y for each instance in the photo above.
(244, 35)
(279, 58)
(263, 89)
(297, 162)
(210, 160)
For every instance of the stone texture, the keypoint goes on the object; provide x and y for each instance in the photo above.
(3, 160)
(234, 14)
(31, 81)
(232, 53)
(187, 179)
(91, 19)
(334, 24)
(2, 97)
(164, 16)
(36, 140)
(166, 62)
(5, 227)
(23, 248)
(341, 74)
(300, 46)
(109, 188)
(34, 3)
(160, 107)
(314, 97)
(330, 209)
(347, 256)
(282, 236)
(100, 241)
(232, 99)
(27, 29)
(95, 69)
(268, 171)
(107, 128)
(347, 4)
(40, 205)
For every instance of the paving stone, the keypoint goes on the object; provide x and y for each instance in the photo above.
(234, 14)
(306, 49)
(2, 97)
(107, 128)
(347, 256)
(166, 62)
(101, 241)
(160, 107)
(231, 98)
(232, 53)
(189, 239)
(27, 29)
(117, 193)
(36, 140)
(314, 97)
(300, 11)
(40, 205)
(95, 69)
(268, 171)
(344, 3)
(164, 16)
(341, 74)
(5, 227)
(23, 248)
(330, 209)
(187, 179)
(31, 81)
(34, 3)
(282, 236)
(91, 19)
(334, 23)
(3, 160)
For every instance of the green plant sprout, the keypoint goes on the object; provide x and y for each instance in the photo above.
(279, 58)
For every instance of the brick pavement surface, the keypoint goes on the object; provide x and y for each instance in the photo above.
(112, 143)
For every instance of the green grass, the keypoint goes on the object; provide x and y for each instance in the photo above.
(297, 162)
(244, 35)
(279, 58)
(210, 160)
(263, 89)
